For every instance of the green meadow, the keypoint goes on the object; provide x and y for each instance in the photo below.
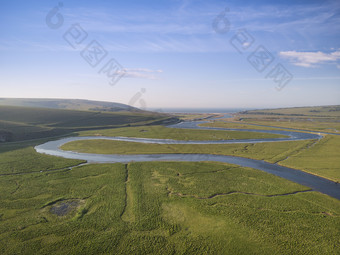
(320, 157)
(161, 132)
(318, 119)
(164, 208)
(238, 125)
(52, 205)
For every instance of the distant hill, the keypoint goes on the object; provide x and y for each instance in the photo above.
(327, 111)
(19, 123)
(69, 104)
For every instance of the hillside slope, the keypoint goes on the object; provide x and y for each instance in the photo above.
(24, 123)
(70, 104)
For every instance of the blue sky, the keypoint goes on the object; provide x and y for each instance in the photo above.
(174, 53)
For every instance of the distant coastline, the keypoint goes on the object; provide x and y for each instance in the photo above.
(200, 110)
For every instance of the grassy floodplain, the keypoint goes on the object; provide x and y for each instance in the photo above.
(161, 132)
(319, 119)
(21, 157)
(321, 158)
(165, 208)
(272, 152)
(51, 205)
(238, 125)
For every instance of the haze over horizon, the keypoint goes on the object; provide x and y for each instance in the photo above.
(174, 54)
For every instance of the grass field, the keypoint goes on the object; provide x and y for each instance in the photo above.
(238, 125)
(315, 125)
(316, 157)
(192, 117)
(319, 119)
(321, 111)
(164, 208)
(322, 158)
(272, 152)
(25, 160)
(52, 205)
(178, 133)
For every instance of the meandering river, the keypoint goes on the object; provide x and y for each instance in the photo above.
(314, 182)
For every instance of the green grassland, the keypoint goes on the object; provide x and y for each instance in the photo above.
(198, 116)
(316, 125)
(70, 104)
(23, 160)
(161, 132)
(314, 156)
(165, 208)
(273, 124)
(319, 119)
(52, 205)
(322, 158)
(24, 123)
(21, 157)
(271, 152)
(237, 125)
(332, 110)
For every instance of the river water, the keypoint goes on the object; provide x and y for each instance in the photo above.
(314, 182)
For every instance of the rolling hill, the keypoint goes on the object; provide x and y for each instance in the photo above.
(19, 123)
(69, 104)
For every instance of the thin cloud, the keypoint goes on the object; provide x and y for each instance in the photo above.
(142, 73)
(145, 70)
(186, 27)
(310, 59)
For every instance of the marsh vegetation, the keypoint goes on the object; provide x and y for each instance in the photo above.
(52, 205)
